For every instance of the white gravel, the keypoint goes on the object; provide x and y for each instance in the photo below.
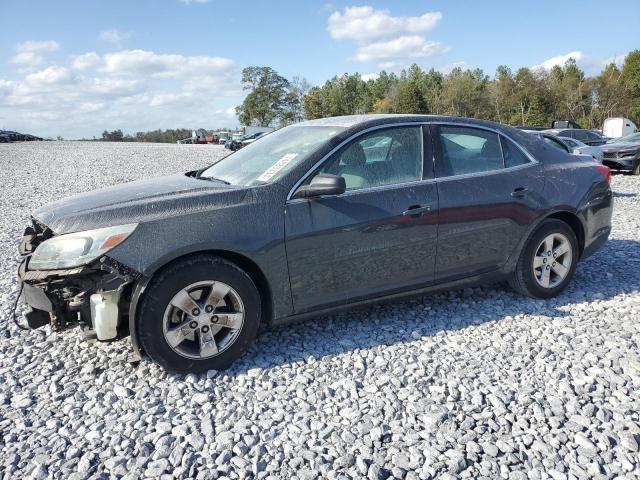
(480, 383)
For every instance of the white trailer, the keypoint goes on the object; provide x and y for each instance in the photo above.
(618, 127)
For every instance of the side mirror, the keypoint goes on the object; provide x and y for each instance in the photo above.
(322, 184)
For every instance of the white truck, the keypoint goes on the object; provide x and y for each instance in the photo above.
(618, 127)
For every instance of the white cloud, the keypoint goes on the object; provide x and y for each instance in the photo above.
(189, 2)
(369, 76)
(144, 62)
(54, 75)
(26, 58)
(364, 24)
(170, 99)
(34, 46)
(90, 107)
(384, 39)
(559, 60)
(590, 65)
(114, 36)
(29, 52)
(401, 47)
(86, 61)
(131, 89)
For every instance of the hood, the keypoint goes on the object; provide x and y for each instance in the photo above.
(616, 147)
(136, 202)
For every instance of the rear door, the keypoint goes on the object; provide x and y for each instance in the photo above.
(489, 191)
(379, 236)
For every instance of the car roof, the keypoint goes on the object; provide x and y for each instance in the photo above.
(349, 121)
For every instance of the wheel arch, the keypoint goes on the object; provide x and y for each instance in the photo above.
(249, 266)
(576, 225)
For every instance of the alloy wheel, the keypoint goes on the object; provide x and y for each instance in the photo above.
(203, 319)
(552, 260)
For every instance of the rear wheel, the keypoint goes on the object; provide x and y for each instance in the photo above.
(199, 314)
(547, 262)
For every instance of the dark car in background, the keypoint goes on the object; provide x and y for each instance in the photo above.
(588, 137)
(238, 143)
(315, 217)
(623, 153)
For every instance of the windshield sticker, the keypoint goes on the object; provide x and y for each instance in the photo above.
(276, 167)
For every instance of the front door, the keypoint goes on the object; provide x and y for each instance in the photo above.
(377, 237)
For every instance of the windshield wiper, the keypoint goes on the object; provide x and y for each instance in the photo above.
(215, 180)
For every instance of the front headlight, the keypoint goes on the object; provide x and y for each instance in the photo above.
(75, 249)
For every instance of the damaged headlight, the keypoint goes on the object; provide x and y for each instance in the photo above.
(75, 249)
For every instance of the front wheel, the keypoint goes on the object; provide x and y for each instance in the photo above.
(547, 262)
(636, 168)
(198, 314)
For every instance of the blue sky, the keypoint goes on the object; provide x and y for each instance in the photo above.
(75, 68)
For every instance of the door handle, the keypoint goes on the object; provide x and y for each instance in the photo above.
(520, 192)
(416, 210)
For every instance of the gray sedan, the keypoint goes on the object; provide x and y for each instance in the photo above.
(315, 217)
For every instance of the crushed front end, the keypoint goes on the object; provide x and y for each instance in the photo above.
(95, 296)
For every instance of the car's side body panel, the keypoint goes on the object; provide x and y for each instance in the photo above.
(258, 237)
(352, 246)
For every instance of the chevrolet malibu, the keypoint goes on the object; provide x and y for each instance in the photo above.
(319, 216)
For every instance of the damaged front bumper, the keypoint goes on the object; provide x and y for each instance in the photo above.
(96, 296)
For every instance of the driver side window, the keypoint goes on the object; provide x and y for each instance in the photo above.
(384, 157)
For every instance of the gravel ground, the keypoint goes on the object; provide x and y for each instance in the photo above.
(468, 384)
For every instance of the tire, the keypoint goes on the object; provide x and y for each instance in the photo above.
(528, 280)
(159, 319)
(636, 168)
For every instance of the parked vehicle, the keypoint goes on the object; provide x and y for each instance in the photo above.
(618, 127)
(588, 137)
(579, 148)
(318, 216)
(623, 153)
(562, 124)
(569, 145)
(223, 137)
(243, 141)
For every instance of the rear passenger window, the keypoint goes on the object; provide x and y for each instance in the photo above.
(513, 156)
(465, 150)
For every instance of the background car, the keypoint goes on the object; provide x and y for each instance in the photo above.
(317, 216)
(623, 153)
(588, 137)
(243, 141)
(567, 145)
(578, 147)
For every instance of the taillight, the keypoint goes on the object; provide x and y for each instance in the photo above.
(605, 171)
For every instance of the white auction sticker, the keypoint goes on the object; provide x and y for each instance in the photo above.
(276, 167)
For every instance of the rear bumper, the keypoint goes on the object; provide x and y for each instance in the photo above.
(597, 243)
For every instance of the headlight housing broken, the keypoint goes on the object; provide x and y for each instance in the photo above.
(76, 249)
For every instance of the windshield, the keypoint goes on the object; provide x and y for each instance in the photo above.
(634, 137)
(270, 156)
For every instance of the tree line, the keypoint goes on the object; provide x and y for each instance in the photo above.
(524, 97)
(156, 136)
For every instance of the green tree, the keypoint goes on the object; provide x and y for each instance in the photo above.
(630, 78)
(266, 100)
